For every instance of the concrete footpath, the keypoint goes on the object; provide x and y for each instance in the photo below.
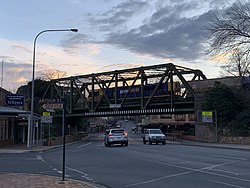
(11, 180)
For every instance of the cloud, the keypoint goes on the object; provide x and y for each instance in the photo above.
(174, 29)
(148, 32)
(15, 74)
(118, 66)
(19, 46)
(169, 37)
(17, 61)
(118, 16)
(6, 58)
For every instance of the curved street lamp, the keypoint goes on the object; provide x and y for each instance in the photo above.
(30, 134)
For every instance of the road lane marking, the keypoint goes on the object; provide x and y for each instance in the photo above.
(202, 170)
(224, 183)
(221, 164)
(225, 171)
(229, 157)
(84, 175)
(84, 145)
(157, 179)
(78, 171)
(39, 157)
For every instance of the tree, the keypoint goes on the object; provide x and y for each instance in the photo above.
(222, 99)
(237, 65)
(40, 87)
(232, 106)
(53, 74)
(228, 32)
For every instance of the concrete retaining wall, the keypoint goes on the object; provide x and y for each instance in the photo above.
(234, 140)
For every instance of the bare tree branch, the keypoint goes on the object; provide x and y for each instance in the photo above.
(229, 32)
(53, 74)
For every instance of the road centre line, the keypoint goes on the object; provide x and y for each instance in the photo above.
(192, 162)
(202, 170)
(84, 145)
(229, 157)
(157, 179)
(224, 183)
(222, 164)
(225, 171)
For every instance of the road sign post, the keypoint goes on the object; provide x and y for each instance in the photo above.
(58, 104)
(63, 135)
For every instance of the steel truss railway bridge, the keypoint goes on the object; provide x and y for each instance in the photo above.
(156, 89)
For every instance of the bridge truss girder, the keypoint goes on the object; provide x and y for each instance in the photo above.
(82, 101)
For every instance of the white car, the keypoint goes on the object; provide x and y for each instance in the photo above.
(154, 136)
(115, 136)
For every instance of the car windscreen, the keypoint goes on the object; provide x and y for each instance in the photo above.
(155, 132)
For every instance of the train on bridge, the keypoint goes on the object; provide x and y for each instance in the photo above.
(137, 91)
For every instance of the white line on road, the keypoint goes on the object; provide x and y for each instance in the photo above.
(229, 157)
(39, 157)
(157, 179)
(224, 183)
(222, 164)
(84, 145)
(225, 171)
(84, 175)
(202, 170)
(78, 171)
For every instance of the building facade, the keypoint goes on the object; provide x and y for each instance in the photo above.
(13, 122)
(186, 124)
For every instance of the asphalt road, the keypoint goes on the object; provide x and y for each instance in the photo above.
(139, 165)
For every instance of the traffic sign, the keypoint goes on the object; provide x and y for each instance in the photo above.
(55, 100)
(54, 106)
(46, 113)
(207, 116)
(46, 119)
(15, 100)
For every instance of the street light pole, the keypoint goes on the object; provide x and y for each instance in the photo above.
(30, 134)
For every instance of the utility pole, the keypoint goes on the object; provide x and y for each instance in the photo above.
(1, 95)
(2, 76)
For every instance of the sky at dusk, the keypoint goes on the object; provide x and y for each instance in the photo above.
(113, 34)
